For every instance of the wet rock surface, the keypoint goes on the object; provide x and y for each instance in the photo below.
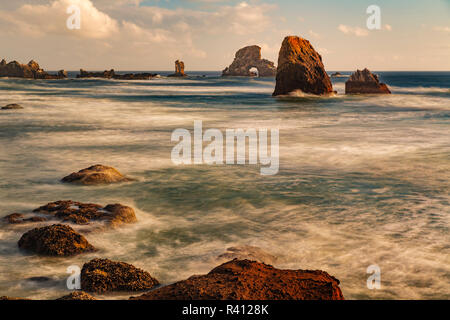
(77, 295)
(103, 275)
(250, 280)
(364, 81)
(96, 175)
(300, 68)
(55, 240)
(247, 58)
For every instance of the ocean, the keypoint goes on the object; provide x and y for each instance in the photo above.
(363, 180)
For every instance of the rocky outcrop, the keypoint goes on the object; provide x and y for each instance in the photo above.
(97, 174)
(84, 213)
(55, 240)
(248, 58)
(16, 218)
(103, 275)
(300, 68)
(365, 82)
(250, 280)
(32, 70)
(179, 69)
(11, 298)
(77, 295)
(247, 252)
(111, 74)
(12, 106)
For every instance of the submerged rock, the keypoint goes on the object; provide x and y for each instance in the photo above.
(32, 70)
(84, 213)
(55, 240)
(248, 252)
(16, 218)
(103, 275)
(365, 82)
(250, 280)
(300, 67)
(179, 69)
(111, 74)
(247, 58)
(12, 106)
(77, 295)
(97, 174)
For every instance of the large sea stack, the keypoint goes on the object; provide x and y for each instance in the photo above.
(300, 67)
(32, 70)
(365, 82)
(251, 280)
(248, 58)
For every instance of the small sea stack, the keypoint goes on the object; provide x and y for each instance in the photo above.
(179, 69)
(103, 275)
(300, 68)
(365, 82)
(55, 240)
(246, 60)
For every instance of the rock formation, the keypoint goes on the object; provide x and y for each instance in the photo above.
(84, 213)
(247, 58)
(32, 70)
(247, 252)
(365, 82)
(55, 240)
(179, 69)
(300, 67)
(77, 295)
(16, 218)
(12, 106)
(250, 280)
(97, 174)
(103, 275)
(111, 74)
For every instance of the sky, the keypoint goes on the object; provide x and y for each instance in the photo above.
(149, 35)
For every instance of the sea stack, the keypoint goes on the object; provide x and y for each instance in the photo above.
(300, 68)
(365, 82)
(32, 70)
(247, 58)
(179, 69)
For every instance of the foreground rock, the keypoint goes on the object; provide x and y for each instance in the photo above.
(248, 58)
(97, 174)
(250, 280)
(247, 252)
(365, 82)
(55, 240)
(179, 69)
(111, 74)
(77, 295)
(103, 275)
(84, 213)
(12, 106)
(11, 298)
(300, 68)
(32, 70)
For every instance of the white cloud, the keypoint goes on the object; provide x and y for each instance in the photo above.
(442, 29)
(314, 34)
(356, 31)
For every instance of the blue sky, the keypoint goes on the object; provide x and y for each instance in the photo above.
(151, 34)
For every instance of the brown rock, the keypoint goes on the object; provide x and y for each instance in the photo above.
(77, 295)
(179, 69)
(55, 240)
(365, 82)
(32, 70)
(300, 67)
(97, 174)
(247, 58)
(12, 106)
(16, 218)
(84, 213)
(111, 74)
(103, 275)
(250, 280)
(11, 298)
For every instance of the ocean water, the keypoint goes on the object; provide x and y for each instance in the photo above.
(363, 179)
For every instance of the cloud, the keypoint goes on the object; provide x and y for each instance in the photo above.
(442, 29)
(356, 31)
(314, 34)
